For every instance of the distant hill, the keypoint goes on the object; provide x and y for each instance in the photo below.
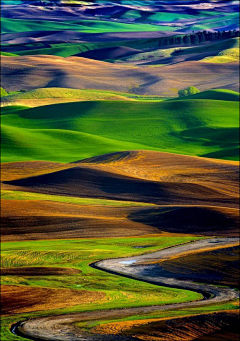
(216, 94)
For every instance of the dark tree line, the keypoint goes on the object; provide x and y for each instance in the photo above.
(198, 37)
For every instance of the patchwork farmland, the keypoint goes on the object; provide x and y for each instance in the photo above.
(120, 170)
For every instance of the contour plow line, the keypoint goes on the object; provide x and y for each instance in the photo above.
(64, 327)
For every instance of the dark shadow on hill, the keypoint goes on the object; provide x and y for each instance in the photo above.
(82, 181)
(197, 220)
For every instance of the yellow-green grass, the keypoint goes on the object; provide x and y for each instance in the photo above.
(183, 50)
(74, 131)
(7, 54)
(20, 195)
(81, 94)
(229, 53)
(3, 92)
(226, 56)
(216, 94)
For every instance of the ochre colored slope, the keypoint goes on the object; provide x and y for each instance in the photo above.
(25, 219)
(31, 72)
(222, 326)
(22, 299)
(195, 196)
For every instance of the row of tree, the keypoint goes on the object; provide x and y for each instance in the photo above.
(198, 37)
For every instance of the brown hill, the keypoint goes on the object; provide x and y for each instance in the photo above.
(193, 195)
(31, 72)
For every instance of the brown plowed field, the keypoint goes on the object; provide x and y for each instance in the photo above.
(194, 195)
(221, 326)
(22, 299)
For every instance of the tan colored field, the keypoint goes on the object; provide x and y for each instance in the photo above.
(22, 299)
(165, 167)
(31, 72)
(18, 170)
(191, 195)
(26, 219)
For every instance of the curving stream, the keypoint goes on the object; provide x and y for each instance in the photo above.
(63, 327)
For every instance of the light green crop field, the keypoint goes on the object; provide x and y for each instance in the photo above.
(88, 26)
(74, 131)
(3, 92)
(226, 56)
(120, 291)
(20, 195)
(222, 46)
(7, 54)
(218, 94)
(82, 95)
(71, 49)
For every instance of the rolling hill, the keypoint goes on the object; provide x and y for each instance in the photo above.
(203, 127)
(47, 96)
(110, 196)
(26, 73)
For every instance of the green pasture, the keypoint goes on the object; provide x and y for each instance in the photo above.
(81, 94)
(218, 94)
(71, 49)
(73, 131)
(89, 26)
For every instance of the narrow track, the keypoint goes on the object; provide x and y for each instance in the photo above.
(63, 327)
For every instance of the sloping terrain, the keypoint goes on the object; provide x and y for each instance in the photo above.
(102, 159)
(85, 129)
(214, 327)
(197, 196)
(31, 72)
(48, 96)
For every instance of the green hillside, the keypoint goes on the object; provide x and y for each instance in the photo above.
(3, 92)
(88, 26)
(83, 94)
(216, 94)
(73, 131)
(71, 94)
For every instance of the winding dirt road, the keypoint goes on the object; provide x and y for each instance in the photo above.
(63, 327)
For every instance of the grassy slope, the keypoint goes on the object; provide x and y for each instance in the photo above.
(48, 96)
(19, 195)
(87, 95)
(82, 94)
(80, 130)
(70, 49)
(229, 53)
(88, 26)
(217, 94)
(183, 50)
(3, 92)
